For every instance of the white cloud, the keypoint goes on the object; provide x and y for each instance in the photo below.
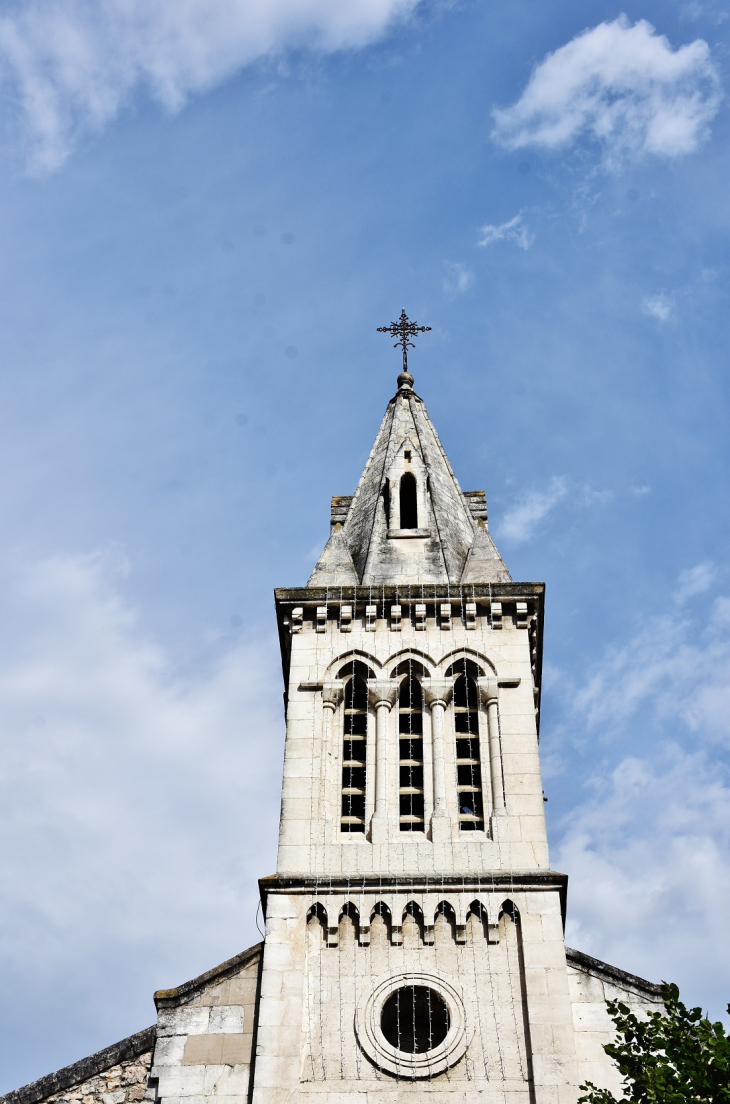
(649, 865)
(71, 65)
(675, 668)
(458, 278)
(514, 230)
(695, 580)
(623, 86)
(137, 805)
(519, 523)
(658, 306)
(649, 852)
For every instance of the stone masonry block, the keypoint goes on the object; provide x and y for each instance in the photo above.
(226, 1020)
(211, 1050)
(188, 1020)
(169, 1050)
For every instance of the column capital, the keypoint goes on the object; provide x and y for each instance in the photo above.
(438, 691)
(383, 691)
(332, 691)
(488, 689)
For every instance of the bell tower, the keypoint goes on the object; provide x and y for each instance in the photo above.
(414, 928)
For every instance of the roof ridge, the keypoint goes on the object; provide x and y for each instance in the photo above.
(83, 1069)
(168, 997)
(597, 966)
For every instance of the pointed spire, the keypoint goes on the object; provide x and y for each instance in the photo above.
(409, 521)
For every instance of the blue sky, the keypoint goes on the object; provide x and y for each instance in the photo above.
(205, 212)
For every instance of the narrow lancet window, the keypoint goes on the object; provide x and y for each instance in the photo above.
(354, 749)
(468, 758)
(410, 735)
(408, 502)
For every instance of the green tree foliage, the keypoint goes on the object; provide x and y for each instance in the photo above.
(671, 1057)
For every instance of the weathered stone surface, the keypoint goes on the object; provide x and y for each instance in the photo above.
(116, 1075)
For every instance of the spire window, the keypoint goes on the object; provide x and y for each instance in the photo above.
(354, 753)
(408, 501)
(468, 758)
(410, 737)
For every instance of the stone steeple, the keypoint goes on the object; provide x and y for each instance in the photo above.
(443, 539)
(414, 927)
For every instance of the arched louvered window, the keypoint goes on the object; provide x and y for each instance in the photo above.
(354, 752)
(410, 736)
(468, 757)
(408, 502)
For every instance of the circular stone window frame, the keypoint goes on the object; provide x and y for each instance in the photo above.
(400, 1063)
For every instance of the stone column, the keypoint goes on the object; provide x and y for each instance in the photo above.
(438, 694)
(488, 696)
(332, 693)
(382, 693)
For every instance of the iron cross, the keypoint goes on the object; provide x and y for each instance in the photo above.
(403, 329)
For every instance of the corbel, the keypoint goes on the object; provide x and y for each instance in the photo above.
(346, 618)
(471, 615)
(297, 619)
(445, 616)
(420, 615)
(321, 618)
(396, 613)
(371, 617)
(496, 611)
(521, 615)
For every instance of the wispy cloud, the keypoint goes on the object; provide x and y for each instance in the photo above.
(137, 804)
(659, 306)
(519, 523)
(621, 85)
(514, 230)
(649, 861)
(71, 65)
(458, 278)
(649, 851)
(695, 580)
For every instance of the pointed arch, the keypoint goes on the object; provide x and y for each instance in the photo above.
(483, 663)
(466, 711)
(477, 920)
(411, 793)
(317, 924)
(408, 499)
(421, 662)
(381, 914)
(348, 923)
(415, 912)
(354, 745)
(445, 917)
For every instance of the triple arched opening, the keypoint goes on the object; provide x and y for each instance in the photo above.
(413, 760)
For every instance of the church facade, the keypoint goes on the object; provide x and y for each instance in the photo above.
(414, 927)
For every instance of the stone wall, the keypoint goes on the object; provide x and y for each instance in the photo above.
(116, 1075)
(125, 1083)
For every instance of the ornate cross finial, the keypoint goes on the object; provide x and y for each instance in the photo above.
(404, 329)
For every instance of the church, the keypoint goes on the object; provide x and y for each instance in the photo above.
(414, 926)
